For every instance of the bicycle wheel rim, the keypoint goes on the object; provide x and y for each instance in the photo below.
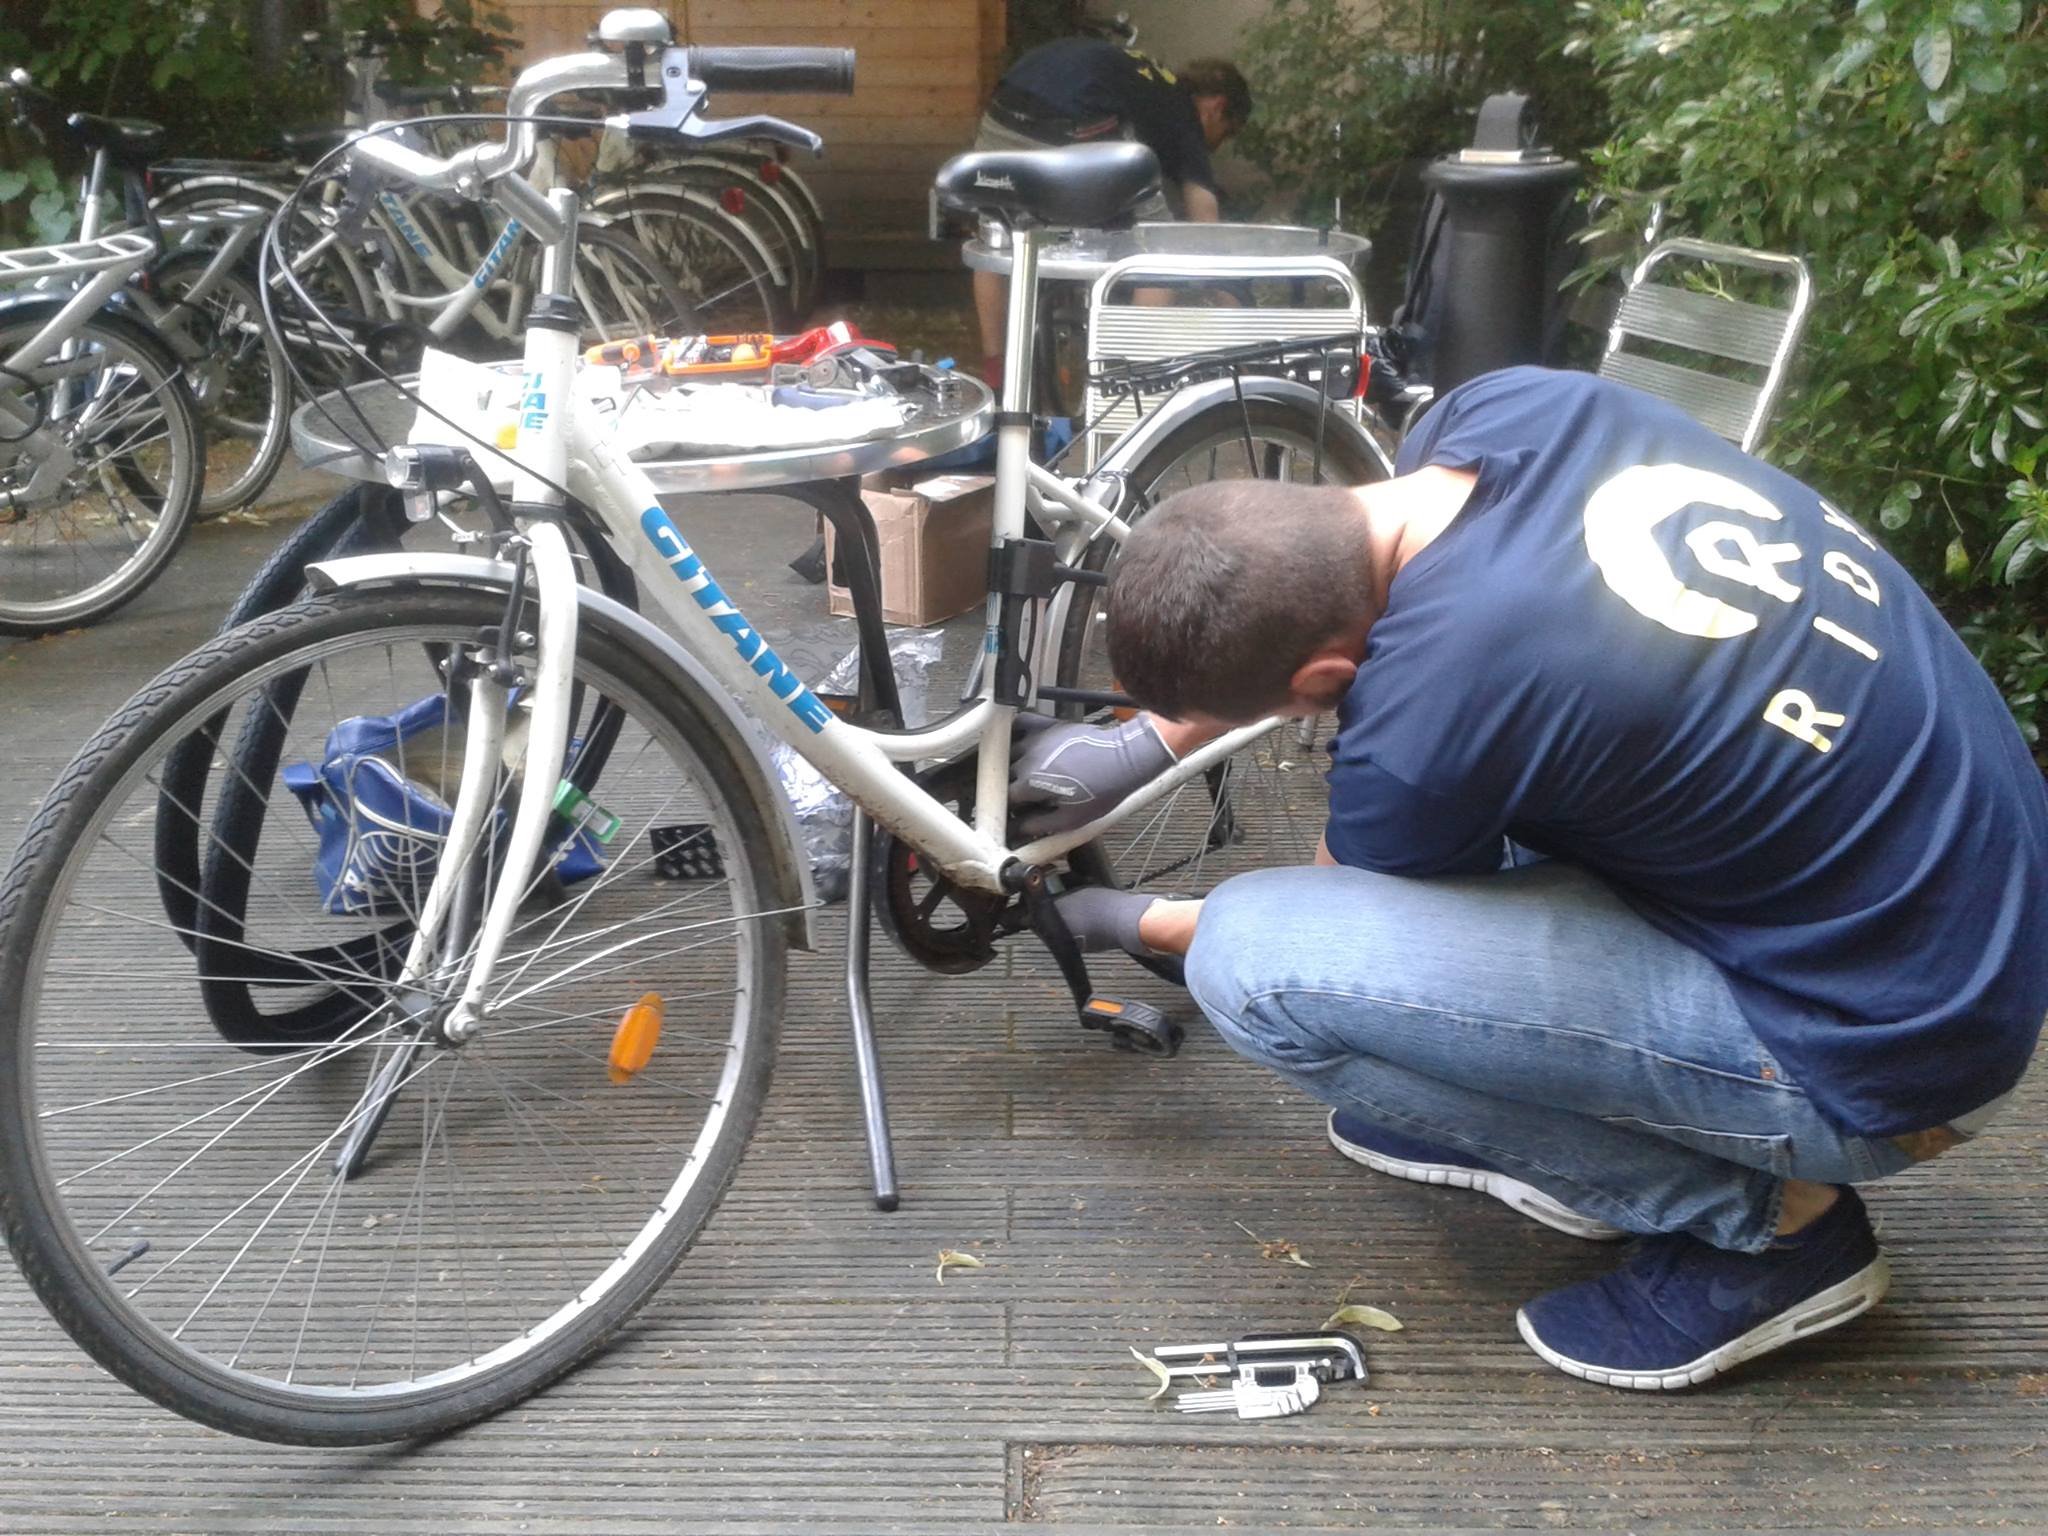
(80, 550)
(615, 1263)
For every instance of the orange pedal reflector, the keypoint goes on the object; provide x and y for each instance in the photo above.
(634, 1040)
(1104, 1005)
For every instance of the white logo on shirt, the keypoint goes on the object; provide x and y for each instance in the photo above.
(1621, 518)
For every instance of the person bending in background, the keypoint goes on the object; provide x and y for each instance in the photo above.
(1080, 90)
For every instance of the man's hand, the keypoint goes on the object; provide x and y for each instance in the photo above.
(1077, 772)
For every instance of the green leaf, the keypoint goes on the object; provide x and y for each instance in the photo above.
(1984, 73)
(1957, 563)
(1951, 255)
(12, 185)
(1897, 508)
(1872, 14)
(1941, 108)
(1933, 51)
(2008, 542)
(1851, 59)
(2023, 560)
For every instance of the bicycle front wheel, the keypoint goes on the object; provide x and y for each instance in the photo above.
(101, 466)
(352, 1230)
(1262, 807)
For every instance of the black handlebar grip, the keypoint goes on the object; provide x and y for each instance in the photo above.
(826, 71)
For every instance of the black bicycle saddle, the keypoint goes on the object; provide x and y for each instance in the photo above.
(1082, 186)
(127, 140)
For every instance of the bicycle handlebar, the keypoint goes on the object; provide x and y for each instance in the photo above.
(828, 71)
(684, 76)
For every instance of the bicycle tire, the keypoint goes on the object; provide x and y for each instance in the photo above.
(235, 367)
(164, 483)
(1250, 817)
(722, 274)
(232, 1380)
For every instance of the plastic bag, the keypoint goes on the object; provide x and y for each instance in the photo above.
(824, 813)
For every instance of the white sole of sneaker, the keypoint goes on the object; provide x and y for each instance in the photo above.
(1512, 1193)
(1817, 1314)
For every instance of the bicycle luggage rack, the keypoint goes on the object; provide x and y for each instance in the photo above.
(79, 258)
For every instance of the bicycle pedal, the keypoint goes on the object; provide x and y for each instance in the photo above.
(1132, 1026)
(686, 851)
(1258, 1393)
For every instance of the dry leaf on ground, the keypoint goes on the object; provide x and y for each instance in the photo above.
(952, 1258)
(1277, 1248)
(1158, 1370)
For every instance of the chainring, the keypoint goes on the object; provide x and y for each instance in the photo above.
(948, 928)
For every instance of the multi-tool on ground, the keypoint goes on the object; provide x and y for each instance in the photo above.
(1270, 1375)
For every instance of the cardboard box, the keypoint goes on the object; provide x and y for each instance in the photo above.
(933, 538)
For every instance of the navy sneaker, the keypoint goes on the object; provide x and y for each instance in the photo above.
(1681, 1311)
(1404, 1157)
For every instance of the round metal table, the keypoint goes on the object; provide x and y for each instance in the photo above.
(949, 412)
(1081, 256)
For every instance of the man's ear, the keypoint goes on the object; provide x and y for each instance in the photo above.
(1324, 678)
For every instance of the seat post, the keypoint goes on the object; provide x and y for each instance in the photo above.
(89, 195)
(1013, 428)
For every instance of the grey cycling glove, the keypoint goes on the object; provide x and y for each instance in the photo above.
(1077, 772)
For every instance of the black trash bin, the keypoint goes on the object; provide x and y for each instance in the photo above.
(1504, 208)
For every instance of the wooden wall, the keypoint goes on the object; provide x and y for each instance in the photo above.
(924, 69)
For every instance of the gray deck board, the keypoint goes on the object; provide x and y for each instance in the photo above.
(804, 1372)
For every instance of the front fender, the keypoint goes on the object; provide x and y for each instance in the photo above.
(1103, 483)
(793, 892)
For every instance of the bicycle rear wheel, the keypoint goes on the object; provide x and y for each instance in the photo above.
(236, 369)
(726, 279)
(1264, 806)
(101, 466)
(172, 1195)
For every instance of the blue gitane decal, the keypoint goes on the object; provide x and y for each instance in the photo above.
(497, 255)
(709, 596)
(413, 238)
(533, 402)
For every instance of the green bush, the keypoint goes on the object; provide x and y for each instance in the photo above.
(1402, 78)
(189, 66)
(1898, 146)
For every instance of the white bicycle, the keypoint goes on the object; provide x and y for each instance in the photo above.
(389, 991)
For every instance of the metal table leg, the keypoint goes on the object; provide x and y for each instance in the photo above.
(874, 1109)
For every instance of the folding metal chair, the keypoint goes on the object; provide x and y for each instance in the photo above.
(1746, 344)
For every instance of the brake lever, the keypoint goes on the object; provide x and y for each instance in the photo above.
(676, 116)
(755, 126)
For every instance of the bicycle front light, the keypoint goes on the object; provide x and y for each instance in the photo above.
(421, 471)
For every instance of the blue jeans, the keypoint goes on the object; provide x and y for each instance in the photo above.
(1531, 1019)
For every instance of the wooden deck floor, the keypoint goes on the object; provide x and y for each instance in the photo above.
(803, 1371)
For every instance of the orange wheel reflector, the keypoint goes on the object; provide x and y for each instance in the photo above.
(634, 1040)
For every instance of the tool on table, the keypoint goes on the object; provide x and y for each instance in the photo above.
(1271, 1375)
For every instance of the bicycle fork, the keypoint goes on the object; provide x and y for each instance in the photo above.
(534, 754)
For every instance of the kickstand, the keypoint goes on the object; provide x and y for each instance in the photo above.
(874, 1108)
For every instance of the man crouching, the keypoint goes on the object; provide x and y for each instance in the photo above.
(1682, 872)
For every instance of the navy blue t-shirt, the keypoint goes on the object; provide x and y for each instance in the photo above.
(1641, 650)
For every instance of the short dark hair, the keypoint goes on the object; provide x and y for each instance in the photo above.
(1224, 589)
(1219, 77)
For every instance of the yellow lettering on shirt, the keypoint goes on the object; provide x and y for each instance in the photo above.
(1834, 516)
(1856, 643)
(1754, 563)
(1796, 714)
(1851, 575)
